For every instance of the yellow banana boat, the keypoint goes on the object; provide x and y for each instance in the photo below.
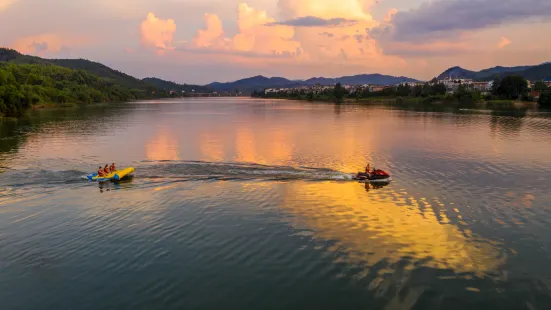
(114, 176)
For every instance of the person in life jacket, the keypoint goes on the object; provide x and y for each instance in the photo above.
(101, 172)
(112, 167)
(368, 169)
(106, 169)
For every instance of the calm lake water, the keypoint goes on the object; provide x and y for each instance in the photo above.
(249, 204)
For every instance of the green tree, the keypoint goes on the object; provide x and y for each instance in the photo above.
(545, 99)
(338, 92)
(439, 89)
(417, 91)
(427, 90)
(512, 87)
(464, 96)
(495, 86)
(540, 86)
(403, 90)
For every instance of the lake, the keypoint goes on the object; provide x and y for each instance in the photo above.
(240, 203)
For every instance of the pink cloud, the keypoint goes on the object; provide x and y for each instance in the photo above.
(157, 33)
(503, 42)
(390, 15)
(49, 43)
(4, 4)
(213, 33)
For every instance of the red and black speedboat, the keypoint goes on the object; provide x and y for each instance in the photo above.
(376, 175)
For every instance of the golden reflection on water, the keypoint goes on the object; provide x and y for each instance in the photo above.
(211, 147)
(372, 227)
(280, 145)
(164, 146)
(245, 150)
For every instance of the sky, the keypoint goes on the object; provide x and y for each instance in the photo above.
(201, 41)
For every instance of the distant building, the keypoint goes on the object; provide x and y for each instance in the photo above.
(376, 88)
(482, 86)
(453, 84)
(413, 84)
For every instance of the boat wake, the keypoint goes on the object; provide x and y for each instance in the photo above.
(198, 170)
(180, 170)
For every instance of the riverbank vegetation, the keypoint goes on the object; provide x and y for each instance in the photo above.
(24, 86)
(504, 91)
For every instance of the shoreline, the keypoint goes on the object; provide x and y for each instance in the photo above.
(516, 104)
(492, 104)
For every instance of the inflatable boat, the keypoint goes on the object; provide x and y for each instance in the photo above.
(113, 176)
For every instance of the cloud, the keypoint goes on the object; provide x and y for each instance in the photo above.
(157, 33)
(40, 47)
(437, 19)
(213, 32)
(298, 40)
(390, 15)
(48, 43)
(503, 42)
(129, 50)
(351, 9)
(312, 21)
(253, 36)
(4, 4)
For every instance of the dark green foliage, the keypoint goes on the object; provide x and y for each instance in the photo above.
(439, 89)
(171, 86)
(403, 90)
(512, 87)
(464, 96)
(545, 99)
(339, 92)
(22, 86)
(539, 86)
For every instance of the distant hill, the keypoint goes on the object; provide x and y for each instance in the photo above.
(172, 86)
(259, 82)
(107, 74)
(251, 84)
(529, 72)
(374, 79)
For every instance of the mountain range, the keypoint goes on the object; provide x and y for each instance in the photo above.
(532, 73)
(261, 82)
(258, 83)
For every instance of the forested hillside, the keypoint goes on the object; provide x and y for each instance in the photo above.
(22, 86)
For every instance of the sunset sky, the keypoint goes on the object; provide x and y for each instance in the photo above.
(201, 41)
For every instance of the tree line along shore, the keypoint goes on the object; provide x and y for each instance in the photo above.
(500, 91)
